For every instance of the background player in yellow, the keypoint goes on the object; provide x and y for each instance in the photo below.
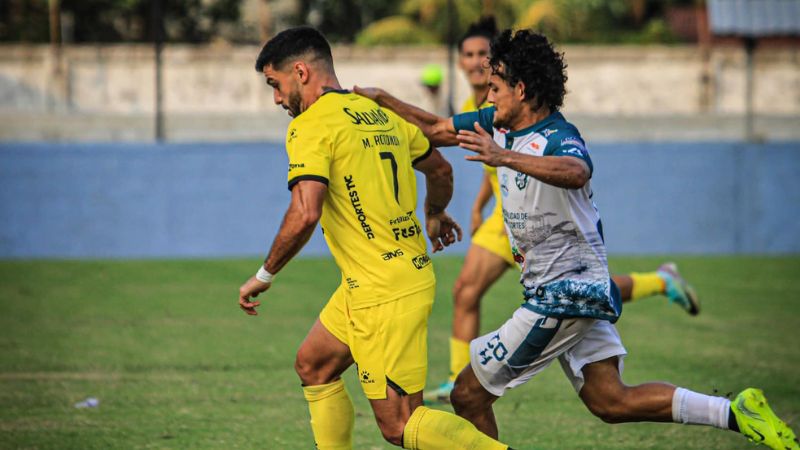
(350, 168)
(489, 254)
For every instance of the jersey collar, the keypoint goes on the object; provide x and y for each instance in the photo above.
(553, 117)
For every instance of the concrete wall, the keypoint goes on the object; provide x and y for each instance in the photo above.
(192, 200)
(118, 79)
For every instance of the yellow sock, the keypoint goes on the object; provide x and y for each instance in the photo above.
(459, 356)
(647, 284)
(331, 415)
(433, 429)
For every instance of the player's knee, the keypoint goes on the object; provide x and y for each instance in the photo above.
(308, 371)
(465, 294)
(392, 431)
(461, 398)
(609, 409)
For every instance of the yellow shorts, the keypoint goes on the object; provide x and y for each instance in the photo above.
(491, 235)
(389, 342)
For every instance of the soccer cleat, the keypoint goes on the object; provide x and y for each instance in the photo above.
(439, 395)
(757, 421)
(678, 290)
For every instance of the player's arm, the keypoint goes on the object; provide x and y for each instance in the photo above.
(442, 229)
(484, 194)
(560, 171)
(296, 229)
(439, 130)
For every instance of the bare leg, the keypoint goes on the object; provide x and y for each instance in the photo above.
(480, 270)
(392, 413)
(612, 401)
(321, 358)
(471, 401)
(625, 285)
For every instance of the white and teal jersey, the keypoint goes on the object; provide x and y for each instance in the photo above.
(556, 233)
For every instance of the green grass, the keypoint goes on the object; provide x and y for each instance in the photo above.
(176, 364)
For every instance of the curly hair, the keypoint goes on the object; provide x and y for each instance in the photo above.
(529, 57)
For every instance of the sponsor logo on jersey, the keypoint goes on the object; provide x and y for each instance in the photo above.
(296, 166)
(503, 185)
(355, 201)
(534, 146)
(521, 180)
(547, 132)
(400, 219)
(372, 117)
(407, 232)
(352, 283)
(392, 254)
(573, 141)
(421, 261)
(365, 377)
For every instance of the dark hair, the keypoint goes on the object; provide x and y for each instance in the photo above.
(292, 43)
(529, 57)
(484, 27)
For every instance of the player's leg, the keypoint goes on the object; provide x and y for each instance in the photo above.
(487, 259)
(321, 360)
(523, 346)
(600, 386)
(480, 270)
(473, 402)
(389, 344)
(665, 281)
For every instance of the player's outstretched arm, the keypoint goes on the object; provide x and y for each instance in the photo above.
(442, 229)
(296, 229)
(561, 171)
(439, 130)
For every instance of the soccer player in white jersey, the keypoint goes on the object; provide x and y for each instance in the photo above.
(571, 303)
(489, 253)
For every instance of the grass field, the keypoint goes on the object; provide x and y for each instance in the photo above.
(176, 364)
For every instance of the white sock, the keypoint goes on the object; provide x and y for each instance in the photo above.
(699, 409)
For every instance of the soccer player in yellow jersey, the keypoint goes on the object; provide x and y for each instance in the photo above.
(350, 169)
(489, 254)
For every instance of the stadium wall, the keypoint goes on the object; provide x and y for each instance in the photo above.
(214, 200)
(107, 92)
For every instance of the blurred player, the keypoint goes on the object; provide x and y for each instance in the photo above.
(489, 254)
(350, 168)
(571, 304)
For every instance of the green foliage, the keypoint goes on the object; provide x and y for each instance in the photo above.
(394, 30)
(118, 20)
(177, 365)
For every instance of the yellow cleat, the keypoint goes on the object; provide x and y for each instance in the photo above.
(757, 421)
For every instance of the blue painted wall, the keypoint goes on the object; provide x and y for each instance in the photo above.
(199, 200)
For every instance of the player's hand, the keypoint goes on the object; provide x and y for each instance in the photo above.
(371, 93)
(249, 290)
(442, 230)
(476, 220)
(481, 142)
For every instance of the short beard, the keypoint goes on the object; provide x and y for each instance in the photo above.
(293, 103)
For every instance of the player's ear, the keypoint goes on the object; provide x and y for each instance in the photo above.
(301, 70)
(519, 91)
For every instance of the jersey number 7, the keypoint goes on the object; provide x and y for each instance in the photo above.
(393, 162)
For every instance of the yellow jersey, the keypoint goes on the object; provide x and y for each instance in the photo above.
(365, 154)
(469, 106)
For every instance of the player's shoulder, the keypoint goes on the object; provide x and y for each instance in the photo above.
(560, 132)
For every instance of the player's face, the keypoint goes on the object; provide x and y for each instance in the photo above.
(285, 90)
(472, 60)
(506, 100)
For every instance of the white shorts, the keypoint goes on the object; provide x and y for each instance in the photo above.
(528, 342)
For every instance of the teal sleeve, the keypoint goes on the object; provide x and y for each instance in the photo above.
(466, 121)
(568, 143)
